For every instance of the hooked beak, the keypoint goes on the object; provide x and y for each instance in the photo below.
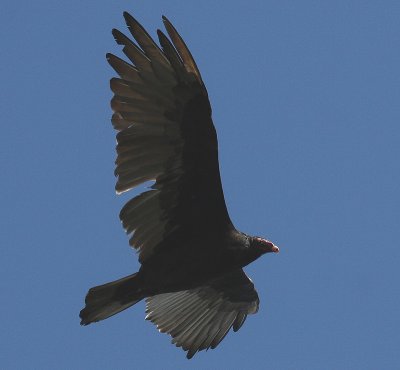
(274, 248)
(267, 246)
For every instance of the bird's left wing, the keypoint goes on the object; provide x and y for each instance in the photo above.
(166, 134)
(199, 318)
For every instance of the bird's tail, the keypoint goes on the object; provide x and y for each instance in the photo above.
(107, 300)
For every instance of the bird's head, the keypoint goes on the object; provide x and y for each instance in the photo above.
(264, 245)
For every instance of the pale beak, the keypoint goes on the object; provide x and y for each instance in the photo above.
(275, 249)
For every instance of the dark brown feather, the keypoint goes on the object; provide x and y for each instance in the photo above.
(182, 49)
(144, 40)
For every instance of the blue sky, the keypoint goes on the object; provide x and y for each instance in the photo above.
(305, 99)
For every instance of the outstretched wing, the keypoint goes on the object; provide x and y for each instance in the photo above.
(163, 115)
(200, 318)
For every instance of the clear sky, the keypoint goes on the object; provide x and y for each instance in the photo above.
(306, 102)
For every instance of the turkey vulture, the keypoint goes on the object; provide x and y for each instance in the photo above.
(191, 255)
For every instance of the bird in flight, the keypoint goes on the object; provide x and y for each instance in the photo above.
(191, 255)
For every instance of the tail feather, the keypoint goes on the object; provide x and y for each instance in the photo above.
(107, 300)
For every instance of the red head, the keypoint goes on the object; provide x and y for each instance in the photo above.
(265, 245)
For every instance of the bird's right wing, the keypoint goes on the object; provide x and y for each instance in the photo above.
(199, 318)
(166, 134)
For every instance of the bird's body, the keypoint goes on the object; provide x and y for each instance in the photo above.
(191, 255)
(169, 271)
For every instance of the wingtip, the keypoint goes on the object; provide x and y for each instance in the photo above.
(83, 321)
(160, 34)
(126, 14)
(115, 33)
(167, 22)
(129, 18)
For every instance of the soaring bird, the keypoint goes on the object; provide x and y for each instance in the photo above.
(191, 255)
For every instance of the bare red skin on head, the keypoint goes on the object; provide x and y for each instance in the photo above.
(271, 246)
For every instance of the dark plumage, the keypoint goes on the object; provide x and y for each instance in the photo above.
(191, 255)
